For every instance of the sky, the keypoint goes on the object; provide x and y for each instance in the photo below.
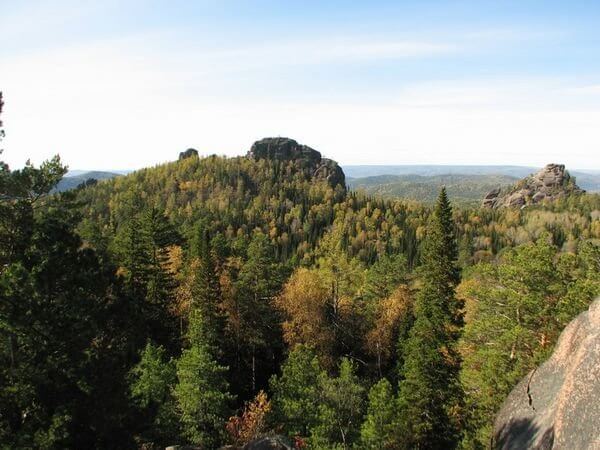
(123, 84)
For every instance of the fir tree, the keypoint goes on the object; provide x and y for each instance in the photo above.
(430, 395)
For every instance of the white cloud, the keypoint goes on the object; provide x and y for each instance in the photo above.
(134, 102)
(593, 89)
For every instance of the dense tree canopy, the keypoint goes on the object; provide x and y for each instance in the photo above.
(210, 300)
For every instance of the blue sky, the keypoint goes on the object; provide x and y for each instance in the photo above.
(126, 84)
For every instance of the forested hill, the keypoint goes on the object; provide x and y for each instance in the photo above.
(286, 190)
(211, 300)
(462, 189)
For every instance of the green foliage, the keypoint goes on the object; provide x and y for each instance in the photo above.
(202, 397)
(296, 392)
(151, 381)
(256, 330)
(379, 428)
(430, 395)
(517, 308)
(385, 275)
(340, 409)
(206, 291)
(64, 324)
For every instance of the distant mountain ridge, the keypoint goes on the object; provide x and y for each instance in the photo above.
(77, 177)
(460, 187)
(586, 179)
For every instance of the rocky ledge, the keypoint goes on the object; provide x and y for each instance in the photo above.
(308, 159)
(550, 183)
(557, 406)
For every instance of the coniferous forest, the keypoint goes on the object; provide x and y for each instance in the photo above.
(213, 300)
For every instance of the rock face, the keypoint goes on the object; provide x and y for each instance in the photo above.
(557, 406)
(550, 183)
(188, 153)
(308, 159)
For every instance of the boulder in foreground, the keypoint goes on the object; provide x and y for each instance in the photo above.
(557, 406)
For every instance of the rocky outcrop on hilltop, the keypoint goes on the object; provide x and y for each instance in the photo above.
(557, 406)
(550, 183)
(190, 152)
(306, 158)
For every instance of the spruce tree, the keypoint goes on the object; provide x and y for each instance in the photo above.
(430, 395)
(206, 290)
(257, 339)
(201, 392)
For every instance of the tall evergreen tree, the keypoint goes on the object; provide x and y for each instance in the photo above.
(257, 337)
(151, 384)
(202, 392)
(63, 324)
(430, 395)
(206, 290)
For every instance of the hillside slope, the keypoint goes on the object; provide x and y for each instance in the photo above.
(586, 179)
(461, 188)
(284, 189)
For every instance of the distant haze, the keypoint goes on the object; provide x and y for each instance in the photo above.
(130, 84)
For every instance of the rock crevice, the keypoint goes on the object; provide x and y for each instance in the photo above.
(565, 391)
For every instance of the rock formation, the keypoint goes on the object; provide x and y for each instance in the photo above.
(308, 159)
(550, 183)
(557, 406)
(188, 153)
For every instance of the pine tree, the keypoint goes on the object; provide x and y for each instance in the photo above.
(430, 395)
(63, 323)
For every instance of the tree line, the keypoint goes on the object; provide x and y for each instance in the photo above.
(212, 300)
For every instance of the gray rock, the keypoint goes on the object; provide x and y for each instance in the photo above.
(491, 197)
(550, 183)
(307, 159)
(283, 149)
(190, 152)
(557, 406)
